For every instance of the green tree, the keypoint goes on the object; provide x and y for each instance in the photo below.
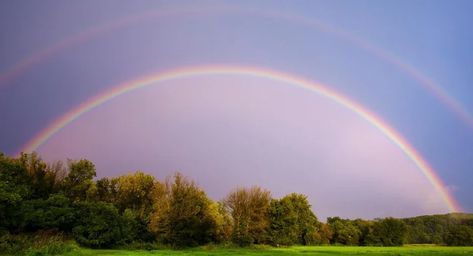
(459, 235)
(365, 227)
(40, 185)
(56, 212)
(14, 189)
(79, 179)
(344, 231)
(292, 221)
(134, 228)
(105, 190)
(387, 232)
(99, 225)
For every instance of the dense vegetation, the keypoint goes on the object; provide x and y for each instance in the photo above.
(63, 201)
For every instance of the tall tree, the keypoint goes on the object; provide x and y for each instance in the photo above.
(42, 178)
(134, 192)
(14, 189)
(79, 179)
(185, 217)
(250, 212)
(292, 221)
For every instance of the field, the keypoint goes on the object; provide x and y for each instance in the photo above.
(313, 250)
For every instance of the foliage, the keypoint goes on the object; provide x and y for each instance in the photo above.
(387, 232)
(249, 209)
(40, 243)
(292, 221)
(187, 219)
(98, 225)
(134, 192)
(56, 212)
(223, 221)
(79, 180)
(13, 190)
(459, 236)
(41, 201)
(343, 231)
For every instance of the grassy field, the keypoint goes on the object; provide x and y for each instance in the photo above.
(313, 250)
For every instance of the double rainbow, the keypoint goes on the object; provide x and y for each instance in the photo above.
(318, 88)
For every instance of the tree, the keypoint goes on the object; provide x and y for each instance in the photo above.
(325, 233)
(79, 180)
(134, 191)
(40, 185)
(387, 232)
(292, 221)
(105, 190)
(249, 209)
(365, 227)
(14, 189)
(161, 204)
(134, 228)
(459, 235)
(343, 231)
(56, 212)
(223, 221)
(185, 218)
(99, 225)
(55, 174)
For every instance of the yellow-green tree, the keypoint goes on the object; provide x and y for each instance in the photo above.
(184, 215)
(249, 208)
(135, 192)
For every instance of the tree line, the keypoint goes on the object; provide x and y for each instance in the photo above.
(138, 208)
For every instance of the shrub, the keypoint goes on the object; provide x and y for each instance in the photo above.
(41, 243)
(98, 225)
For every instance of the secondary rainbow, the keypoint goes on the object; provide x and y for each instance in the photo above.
(318, 88)
(86, 35)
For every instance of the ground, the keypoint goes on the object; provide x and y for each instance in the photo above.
(303, 250)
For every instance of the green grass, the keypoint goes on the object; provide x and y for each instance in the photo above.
(302, 250)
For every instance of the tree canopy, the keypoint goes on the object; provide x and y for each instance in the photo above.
(36, 196)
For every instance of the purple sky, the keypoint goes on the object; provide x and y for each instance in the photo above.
(228, 131)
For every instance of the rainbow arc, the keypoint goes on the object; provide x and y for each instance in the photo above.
(320, 89)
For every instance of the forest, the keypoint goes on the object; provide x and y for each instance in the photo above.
(65, 201)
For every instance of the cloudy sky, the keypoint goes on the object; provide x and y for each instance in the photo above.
(407, 62)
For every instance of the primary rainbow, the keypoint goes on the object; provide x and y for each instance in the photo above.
(320, 89)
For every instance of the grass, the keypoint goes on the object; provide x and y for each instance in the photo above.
(301, 250)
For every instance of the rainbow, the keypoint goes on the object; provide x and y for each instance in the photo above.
(428, 84)
(320, 89)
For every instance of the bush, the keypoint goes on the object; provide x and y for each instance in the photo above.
(98, 225)
(53, 213)
(41, 243)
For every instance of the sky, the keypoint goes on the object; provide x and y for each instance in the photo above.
(406, 62)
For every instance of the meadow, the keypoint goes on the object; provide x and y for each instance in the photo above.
(296, 250)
